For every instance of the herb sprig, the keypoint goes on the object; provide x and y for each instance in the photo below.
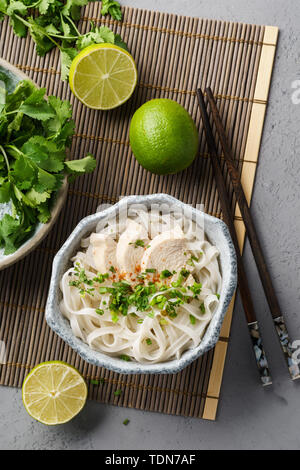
(34, 135)
(54, 24)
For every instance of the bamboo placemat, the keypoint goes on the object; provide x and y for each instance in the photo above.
(174, 56)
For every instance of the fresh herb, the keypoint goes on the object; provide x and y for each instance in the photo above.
(126, 421)
(150, 270)
(113, 8)
(218, 296)
(117, 393)
(114, 317)
(137, 243)
(112, 269)
(122, 295)
(190, 261)
(34, 135)
(195, 288)
(124, 357)
(165, 274)
(202, 308)
(99, 311)
(95, 382)
(82, 282)
(163, 321)
(185, 273)
(55, 25)
(100, 278)
(148, 341)
(192, 319)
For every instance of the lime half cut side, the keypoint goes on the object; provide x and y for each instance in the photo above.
(54, 392)
(103, 76)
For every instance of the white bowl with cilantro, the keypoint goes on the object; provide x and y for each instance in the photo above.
(35, 135)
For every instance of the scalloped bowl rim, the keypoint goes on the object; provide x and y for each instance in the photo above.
(216, 231)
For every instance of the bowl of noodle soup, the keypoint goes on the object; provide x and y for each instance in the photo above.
(143, 286)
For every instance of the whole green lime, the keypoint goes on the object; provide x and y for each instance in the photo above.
(163, 137)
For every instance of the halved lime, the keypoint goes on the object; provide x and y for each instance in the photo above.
(103, 76)
(54, 392)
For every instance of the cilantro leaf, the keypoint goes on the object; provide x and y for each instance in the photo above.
(85, 165)
(18, 26)
(16, 6)
(113, 8)
(66, 57)
(72, 8)
(24, 173)
(2, 96)
(44, 5)
(36, 106)
(120, 43)
(54, 25)
(34, 134)
(5, 192)
(10, 229)
(96, 36)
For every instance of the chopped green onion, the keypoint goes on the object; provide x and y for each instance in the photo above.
(124, 357)
(150, 270)
(192, 319)
(95, 382)
(165, 273)
(138, 243)
(100, 278)
(112, 269)
(99, 311)
(202, 308)
(148, 341)
(185, 273)
(114, 317)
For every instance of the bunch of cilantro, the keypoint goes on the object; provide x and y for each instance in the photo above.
(34, 136)
(53, 23)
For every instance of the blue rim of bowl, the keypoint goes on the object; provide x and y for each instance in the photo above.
(63, 329)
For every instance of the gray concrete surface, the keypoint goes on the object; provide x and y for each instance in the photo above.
(249, 417)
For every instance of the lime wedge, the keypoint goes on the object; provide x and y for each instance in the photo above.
(103, 76)
(54, 392)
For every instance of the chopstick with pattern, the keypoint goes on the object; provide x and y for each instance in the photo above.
(246, 296)
(257, 251)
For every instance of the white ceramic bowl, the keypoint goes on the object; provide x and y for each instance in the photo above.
(41, 230)
(217, 233)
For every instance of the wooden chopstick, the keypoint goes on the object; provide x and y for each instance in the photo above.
(248, 305)
(264, 274)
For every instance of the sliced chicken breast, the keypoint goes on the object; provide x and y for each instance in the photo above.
(102, 252)
(131, 247)
(166, 251)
